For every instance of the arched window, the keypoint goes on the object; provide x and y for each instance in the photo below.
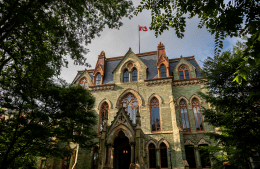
(126, 76)
(155, 115)
(134, 75)
(204, 157)
(131, 105)
(83, 83)
(184, 72)
(163, 71)
(184, 116)
(103, 113)
(98, 79)
(163, 154)
(152, 156)
(197, 115)
(190, 156)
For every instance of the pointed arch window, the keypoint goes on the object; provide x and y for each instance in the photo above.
(204, 157)
(197, 115)
(163, 155)
(131, 105)
(163, 71)
(134, 75)
(155, 114)
(184, 116)
(103, 113)
(190, 156)
(126, 76)
(98, 79)
(152, 156)
(83, 82)
(184, 72)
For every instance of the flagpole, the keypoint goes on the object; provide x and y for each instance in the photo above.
(139, 37)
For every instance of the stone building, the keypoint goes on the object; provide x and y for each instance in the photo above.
(149, 112)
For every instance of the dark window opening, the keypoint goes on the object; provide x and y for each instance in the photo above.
(163, 71)
(98, 79)
(126, 76)
(163, 153)
(152, 156)
(190, 156)
(134, 75)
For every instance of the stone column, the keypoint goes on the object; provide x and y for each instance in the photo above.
(197, 157)
(132, 152)
(158, 165)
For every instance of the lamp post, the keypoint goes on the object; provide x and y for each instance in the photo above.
(170, 157)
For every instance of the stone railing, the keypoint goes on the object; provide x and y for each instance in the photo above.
(106, 87)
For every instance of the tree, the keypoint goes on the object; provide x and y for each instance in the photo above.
(234, 108)
(234, 18)
(35, 39)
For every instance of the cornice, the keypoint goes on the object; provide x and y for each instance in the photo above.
(105, 87)
(158, 81)
(188, 82)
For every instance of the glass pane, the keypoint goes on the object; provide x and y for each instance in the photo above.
(183, 67)
(163, 153)
(126, 76)
(133, 116)
(152, 158)
(85, 85)
(134, 75)
(158, 119)
(153, 119)
(81, 84)
(187, 74)
(196, 118)
(187, 119)
(129, 110)
(163, 71)
(183, 120)
(200, 119)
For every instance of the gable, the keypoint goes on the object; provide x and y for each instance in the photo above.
(183, 61)
(86, 75)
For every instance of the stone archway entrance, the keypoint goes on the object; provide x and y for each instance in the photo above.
(122, 152)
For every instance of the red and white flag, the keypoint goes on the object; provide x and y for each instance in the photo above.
(142, 28)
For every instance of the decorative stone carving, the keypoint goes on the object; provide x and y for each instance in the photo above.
(188, 142)
(158, 81)
(187, 82)
(101, 88)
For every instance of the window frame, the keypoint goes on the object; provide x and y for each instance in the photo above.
(131, 103)
(162, 65)
(184, 75)
(100, 114)
(83, 83)
(197, 116)
(161, 155)
(96, 80)
(134, 69)
(184, 117)
(155, 116)
(194, 153)
(124, 76)
(149, 148)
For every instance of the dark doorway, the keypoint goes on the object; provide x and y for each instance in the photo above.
(122, 152)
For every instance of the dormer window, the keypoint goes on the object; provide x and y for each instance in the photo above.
(83, 83)
(134, 75)
(126, 76)
(184, 72)
(163, 71)
(98, 79)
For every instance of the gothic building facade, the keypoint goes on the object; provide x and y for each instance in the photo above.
(149, 113)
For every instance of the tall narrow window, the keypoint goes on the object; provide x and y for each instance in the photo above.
(190, 156)
(184, 116)
(131, 105)
(155, 114)
(163, 153)
(98, 79)
(204, 157)
(83, 82)
(134, 75)
(197, 115)
(184, 72)
(152, 156)
(95, 158)
(126, 76)
(163, 71)
(103, 113)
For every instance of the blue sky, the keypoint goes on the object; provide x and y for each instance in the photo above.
(197, 42)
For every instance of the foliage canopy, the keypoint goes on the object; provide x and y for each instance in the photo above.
(234, 108)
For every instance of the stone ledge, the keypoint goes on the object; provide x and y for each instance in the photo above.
(106, 87)
(158, 81)
(188, 82)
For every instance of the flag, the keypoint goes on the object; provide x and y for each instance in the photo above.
(142, 28)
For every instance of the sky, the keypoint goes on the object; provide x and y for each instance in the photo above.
(196, 41)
